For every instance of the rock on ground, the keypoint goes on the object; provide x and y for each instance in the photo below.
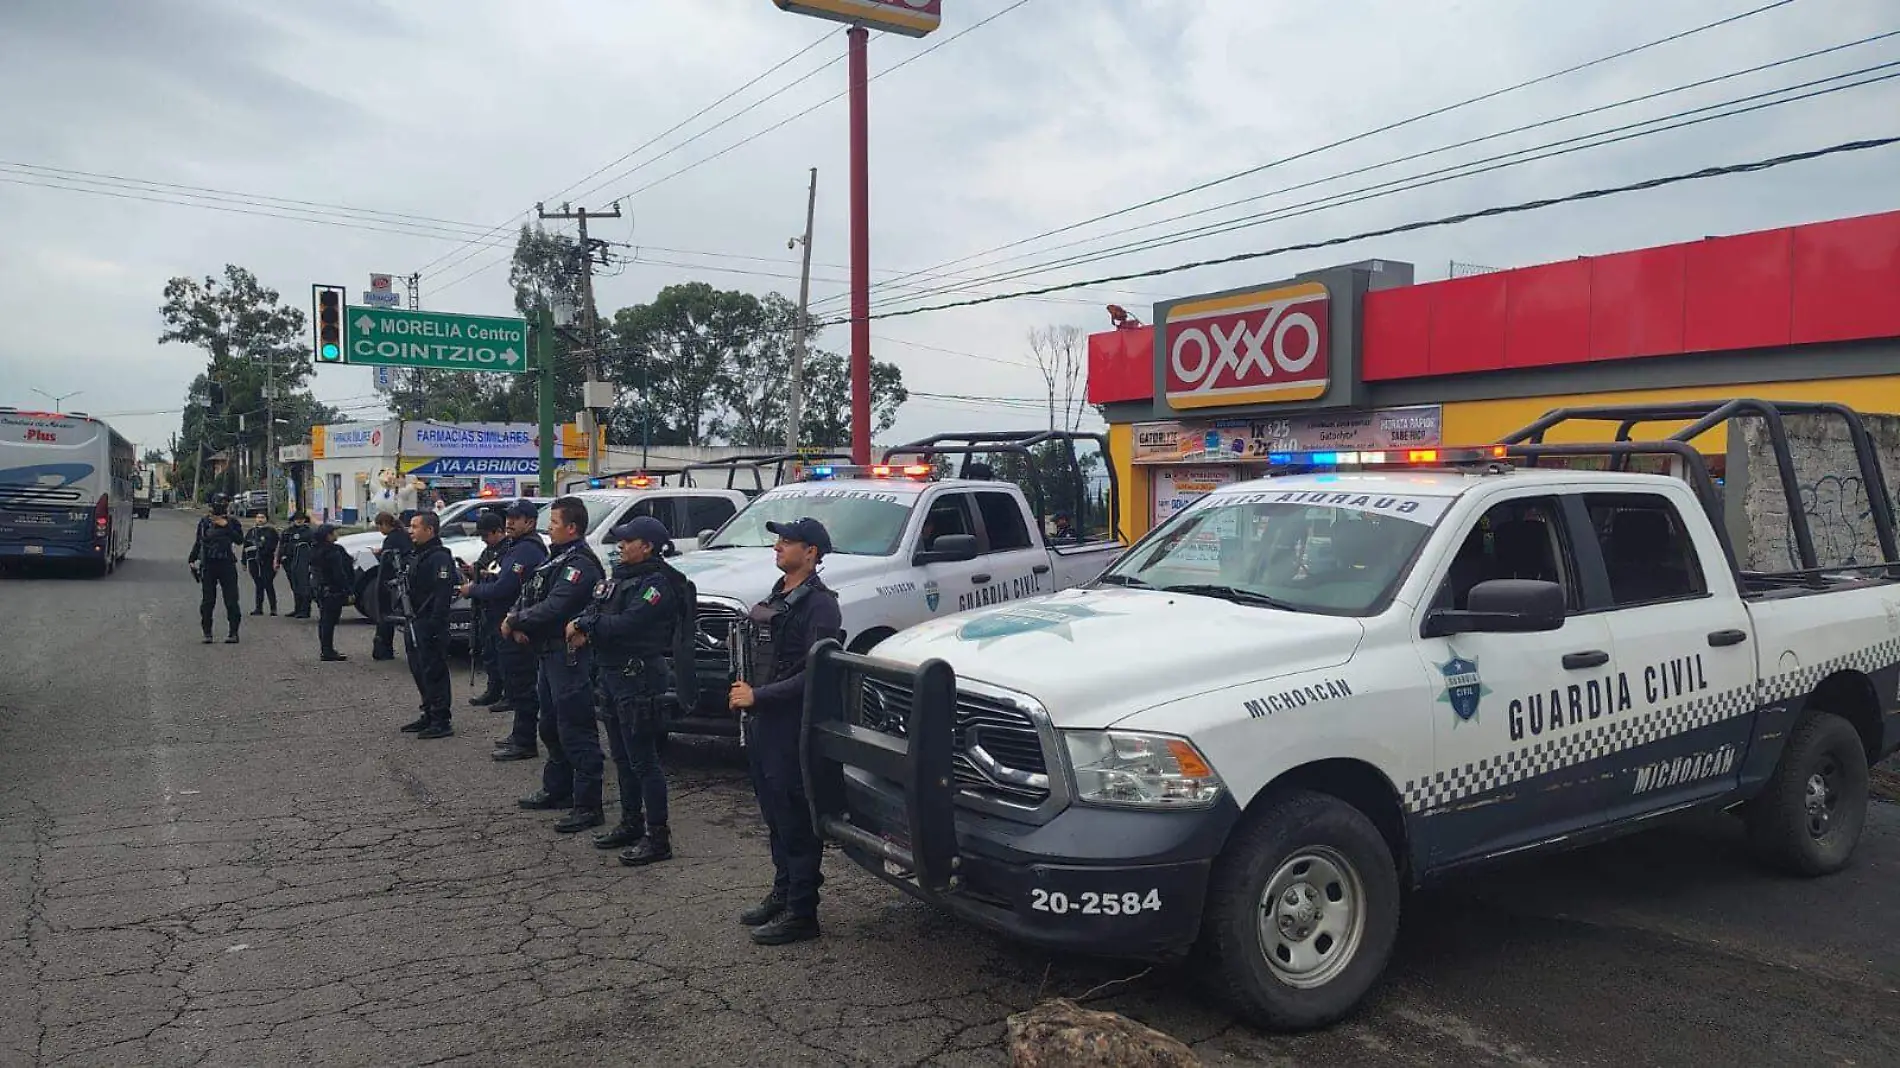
(1061, 1034)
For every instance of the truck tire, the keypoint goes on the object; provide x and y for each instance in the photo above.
(366, 597)
(1809, 818)
(1301, 912)
(870, 639)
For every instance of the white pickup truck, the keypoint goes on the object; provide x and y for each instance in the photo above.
(907, 546)
(1308, 692)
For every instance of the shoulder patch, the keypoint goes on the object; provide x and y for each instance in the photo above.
(444, 573)
(650, 595)
(573, 574)
(519, 567)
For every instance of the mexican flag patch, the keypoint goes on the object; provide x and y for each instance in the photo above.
(650, 595)
(573, 574)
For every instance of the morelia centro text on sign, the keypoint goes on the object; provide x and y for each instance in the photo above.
(911, 18)
(1260, 347)
(394, 338)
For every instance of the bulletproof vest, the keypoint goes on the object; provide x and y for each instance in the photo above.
(535, 590)
(214, 545)
(611, 597)
(766, 658)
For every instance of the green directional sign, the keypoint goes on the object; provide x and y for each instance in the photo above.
(392, 337)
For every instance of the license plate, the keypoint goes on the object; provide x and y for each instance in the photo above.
(36, 550)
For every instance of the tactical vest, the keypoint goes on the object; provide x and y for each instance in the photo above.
(762, 659)
(214, 547)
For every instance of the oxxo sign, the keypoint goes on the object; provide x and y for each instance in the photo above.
(1265, 346)
(911, 18)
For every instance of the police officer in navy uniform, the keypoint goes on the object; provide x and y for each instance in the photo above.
(632, 625)
(800, 612)
(430, 582)
(293, 555)
(330, 577)
(214, 562)
(483, 638)
(520, 666)
(390, 561)
(260, 557)
(556, 593)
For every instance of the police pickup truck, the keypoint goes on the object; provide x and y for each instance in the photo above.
(1308, 692)
(908, 544)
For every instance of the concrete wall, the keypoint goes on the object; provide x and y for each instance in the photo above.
(1833, 495)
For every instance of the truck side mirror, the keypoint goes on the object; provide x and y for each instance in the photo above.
(704, 536)
(1503, 606)
(948, 549)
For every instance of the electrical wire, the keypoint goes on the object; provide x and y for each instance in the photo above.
(1454, 172)
(1424, 224)
(1414, 156)
(1387, 128)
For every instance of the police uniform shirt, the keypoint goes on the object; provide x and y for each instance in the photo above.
(557, 592)
(432, 582)
(215, 543)
(260, 544)
(632, 614)
(799, 619)
(332, 570)
(519, 559)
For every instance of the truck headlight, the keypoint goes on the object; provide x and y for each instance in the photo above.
(1140, 770)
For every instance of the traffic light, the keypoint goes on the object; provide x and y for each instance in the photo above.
(329, 324)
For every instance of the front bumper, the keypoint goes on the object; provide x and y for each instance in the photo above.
(1105, 881)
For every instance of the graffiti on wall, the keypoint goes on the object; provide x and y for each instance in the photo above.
(1840, 520)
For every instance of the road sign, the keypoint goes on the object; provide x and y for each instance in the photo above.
(391, 337)
(385, 378)
(382, 299)
(912, 18)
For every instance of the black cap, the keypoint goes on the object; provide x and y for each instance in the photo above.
(305, 516)
(488, 522)
(323, 531)
(805, 531)
(643, 528)
(524, 509)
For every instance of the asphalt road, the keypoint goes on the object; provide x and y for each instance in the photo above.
(217, 855)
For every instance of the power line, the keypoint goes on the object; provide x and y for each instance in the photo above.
(1448, 220)
(1469, 169)
(1387, 128)
(1411, 157)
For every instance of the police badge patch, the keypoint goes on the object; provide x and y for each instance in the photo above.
(933, 596)
(1463, 688)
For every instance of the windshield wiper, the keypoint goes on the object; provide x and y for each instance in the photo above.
(1231, 593)
(1125, 580)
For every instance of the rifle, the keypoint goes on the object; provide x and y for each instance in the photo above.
(400, 583)
(739, 667)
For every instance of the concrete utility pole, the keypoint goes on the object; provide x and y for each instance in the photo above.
(593, 390)
(796, 410)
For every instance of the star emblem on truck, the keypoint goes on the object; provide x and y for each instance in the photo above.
(1016, 619)
(1463, 686)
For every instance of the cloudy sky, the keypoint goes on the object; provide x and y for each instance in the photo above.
(418, 126)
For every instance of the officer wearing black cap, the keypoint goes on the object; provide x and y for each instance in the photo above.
(293, 555)
(483, 639)
(637, 616)
(391, 560)
(331, 575)
(781, 630)
(523, 554)
(429, 584)
(553, 597)
(213, 561)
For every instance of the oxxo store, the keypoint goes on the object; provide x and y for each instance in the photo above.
(1359, 357)
(360, 469)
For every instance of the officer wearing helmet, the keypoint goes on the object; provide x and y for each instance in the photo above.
(634, 624)
(214, 561)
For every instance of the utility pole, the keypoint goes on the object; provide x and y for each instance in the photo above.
(797, 404)
(591, 392)
(544, 393)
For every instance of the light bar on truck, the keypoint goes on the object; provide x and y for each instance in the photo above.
(914, 472)
(1433, 457)
(621, 482)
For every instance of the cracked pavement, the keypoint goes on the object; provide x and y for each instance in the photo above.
(220, 855)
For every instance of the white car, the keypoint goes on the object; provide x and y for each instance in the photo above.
(686, 511)
(1229, 741)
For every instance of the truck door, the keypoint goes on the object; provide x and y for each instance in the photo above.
(1684, 654)
(950, 587)
(1500, 769)
(1014, 561)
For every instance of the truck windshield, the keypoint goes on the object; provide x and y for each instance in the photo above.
(1284, 550)
(861, 522)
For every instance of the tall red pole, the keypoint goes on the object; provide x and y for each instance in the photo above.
(860, 248)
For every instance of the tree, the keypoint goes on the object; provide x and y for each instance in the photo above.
(676, 353)
(1062, 358)
(755, 393)
(827, 415)
(154, 456)
(254, 344)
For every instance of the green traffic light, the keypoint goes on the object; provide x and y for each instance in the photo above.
(331, 352)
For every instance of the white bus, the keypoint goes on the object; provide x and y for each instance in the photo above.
(66, 487)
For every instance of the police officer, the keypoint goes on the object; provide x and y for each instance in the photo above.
(293, 556)
(429, 583)
(330, 576)
(520, 666)
(636, 614)
(260, 557)
(554, 595)
(781, 629)
(213, 560)
(483, 639)
(390, 561)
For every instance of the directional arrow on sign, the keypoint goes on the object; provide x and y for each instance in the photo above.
(366, 324)
(510, 357)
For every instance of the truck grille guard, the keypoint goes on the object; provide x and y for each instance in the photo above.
(921, 762)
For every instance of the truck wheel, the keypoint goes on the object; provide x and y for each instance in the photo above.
(366, 598)
(1809, 818)
(1302, 912)
(870, 639)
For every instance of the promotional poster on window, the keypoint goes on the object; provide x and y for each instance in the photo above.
(1236, 441)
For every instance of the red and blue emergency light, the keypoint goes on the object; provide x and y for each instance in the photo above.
(915, 472)
(1434, 457)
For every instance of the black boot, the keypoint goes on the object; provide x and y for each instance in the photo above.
(542, 801)
(765, 911)
(333, 657)
(208, 638)
(580, 819)
(508, 751)
(419, 724)
(786, 929)
(486, 697)
(231, 638)
(655, 847)
(438, 727)
(258, 612)
(502, 705)
(622, 835)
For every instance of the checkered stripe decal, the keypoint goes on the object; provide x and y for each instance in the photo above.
(1604, 739)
